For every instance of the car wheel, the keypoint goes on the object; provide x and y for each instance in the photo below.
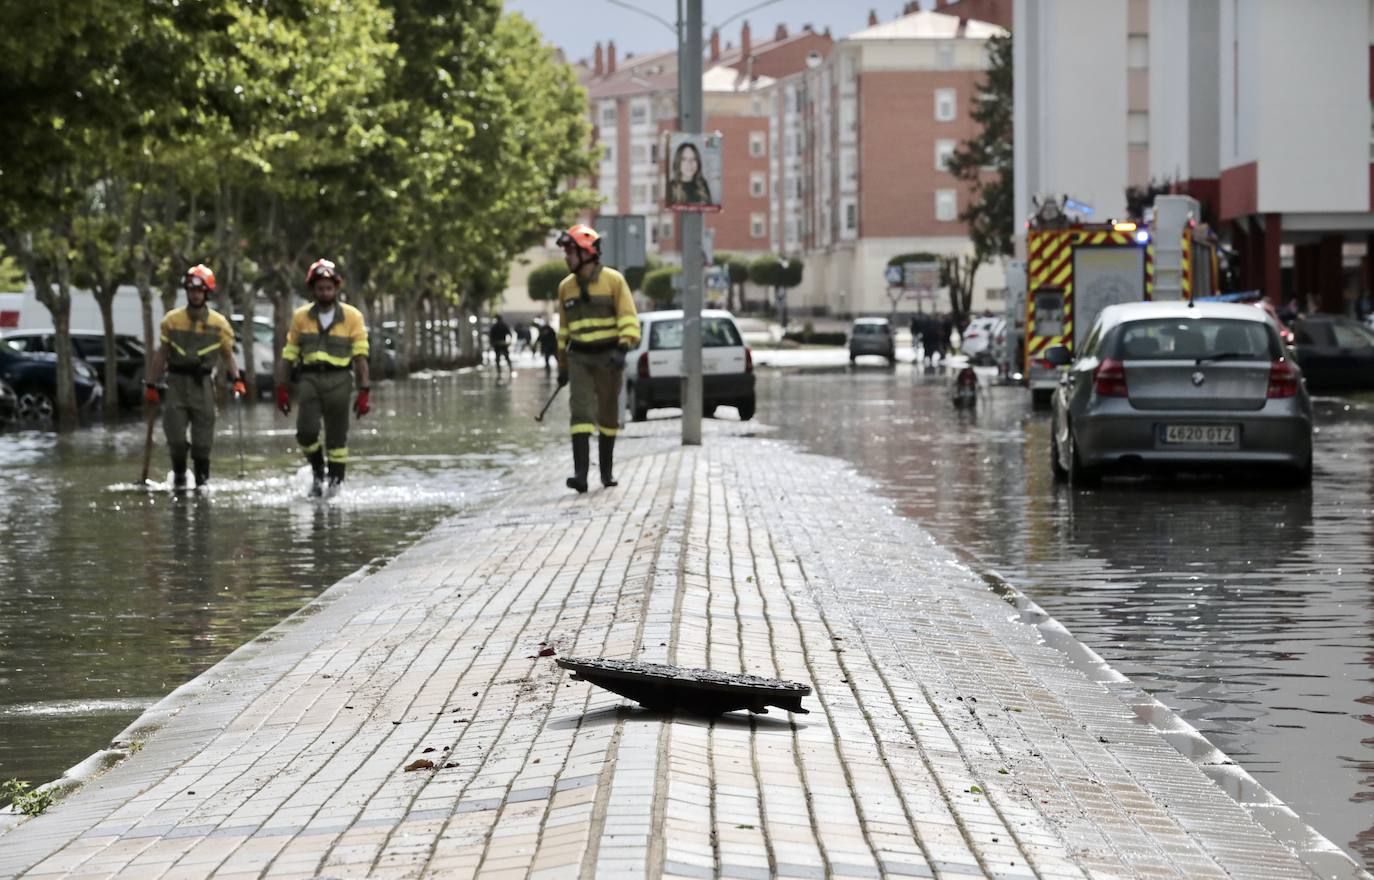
(1299, 477)
(1079, 474)
(1060, 473)
(36, 407)
(1041, 397)
(746, 409)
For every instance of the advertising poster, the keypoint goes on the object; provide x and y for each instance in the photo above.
(692, 173)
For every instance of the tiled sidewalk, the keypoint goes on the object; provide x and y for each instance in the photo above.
(945, 739)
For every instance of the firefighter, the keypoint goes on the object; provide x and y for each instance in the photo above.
(325, 347)
(597, 326)
(193, 339)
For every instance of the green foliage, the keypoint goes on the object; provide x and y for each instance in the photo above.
(767, 271)
(658, 284)
(544, 280)
(11, 275)
(916, 257)
(989, 214)
(30, 803)
(736, 265)
(634, 276)
(792, 273)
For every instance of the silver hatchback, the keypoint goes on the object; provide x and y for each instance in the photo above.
(1180, 386)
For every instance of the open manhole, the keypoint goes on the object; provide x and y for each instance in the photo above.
(667, 688)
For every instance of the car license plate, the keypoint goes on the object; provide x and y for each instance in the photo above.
(1200, 435)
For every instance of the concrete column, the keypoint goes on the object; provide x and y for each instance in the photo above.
(1331, 275)
(1271, 268)
(1241, 244)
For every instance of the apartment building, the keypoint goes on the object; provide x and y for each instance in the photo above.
(879, 120)
(1259, 109)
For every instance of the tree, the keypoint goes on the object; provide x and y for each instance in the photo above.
(771, 272)
(544, 280)
(658, 284)
(634, 275)
(985, 163)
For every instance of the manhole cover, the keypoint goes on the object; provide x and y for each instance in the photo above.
(700, 691)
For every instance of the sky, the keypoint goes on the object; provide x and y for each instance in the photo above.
(575, 26)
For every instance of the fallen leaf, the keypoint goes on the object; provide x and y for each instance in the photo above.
(420, 764)
(427, 750)
(547, 652)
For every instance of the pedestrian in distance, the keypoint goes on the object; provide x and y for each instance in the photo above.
(192, 339)
(522, 337)
(325, 349)
(598, 325)
(548, 343)
(915, 337)
(499, 334)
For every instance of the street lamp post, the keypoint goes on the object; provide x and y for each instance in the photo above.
(690, 120)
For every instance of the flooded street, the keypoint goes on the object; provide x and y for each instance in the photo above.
(111, 596)
(1247, 609)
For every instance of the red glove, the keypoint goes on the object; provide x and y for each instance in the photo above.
(360, 406)
(283, 400)
(239, 388)
(150, 393)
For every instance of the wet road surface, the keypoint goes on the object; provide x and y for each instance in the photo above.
(1247, 609)
(111, 596)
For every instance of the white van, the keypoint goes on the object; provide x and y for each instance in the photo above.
(653, 370)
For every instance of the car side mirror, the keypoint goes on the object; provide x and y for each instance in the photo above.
(1058, 356)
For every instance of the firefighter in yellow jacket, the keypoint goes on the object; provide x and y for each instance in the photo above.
(325, 347)
(194, 339)
(597, 326)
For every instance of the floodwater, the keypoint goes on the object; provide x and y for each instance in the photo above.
(111, 596)
(1245, 608)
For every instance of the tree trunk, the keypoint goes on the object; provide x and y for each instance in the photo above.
(406, 338)
(105, 298)
(249, 368)
(144, 279)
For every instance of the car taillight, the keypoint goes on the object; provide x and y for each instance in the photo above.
(748, 361)
(1109, 379)
(1283, 379)
(643, 368)
(972, 334)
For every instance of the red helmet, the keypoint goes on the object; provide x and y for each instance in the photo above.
(322, 269)
(583, 236)
(200, 275)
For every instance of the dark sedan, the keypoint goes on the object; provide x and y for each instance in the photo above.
(89, 345)
(34, 379)
(1336, 353)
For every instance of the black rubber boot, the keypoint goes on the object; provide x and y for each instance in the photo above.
(336, 477)
(202, 470)
(178, 474)
(605, 447)
(316, 460)
(582, 459)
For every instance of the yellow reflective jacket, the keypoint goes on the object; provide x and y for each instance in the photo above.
(193, 344)
(604, 318)
(309, 343)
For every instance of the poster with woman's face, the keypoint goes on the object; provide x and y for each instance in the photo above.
(693, 172)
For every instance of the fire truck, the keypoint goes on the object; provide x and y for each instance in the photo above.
(1074, 270)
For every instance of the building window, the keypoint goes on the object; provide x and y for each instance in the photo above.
(653, 153)
(791, 230)
(639, 113)
(944, 55)
(1138, 129)
(944, 149)
(849, 166)
(610, 153)
(756, 228)
(791, 100)
(798, 188)
(639, 153)
(666, 232)
(846, 117)
(608, 115)
(756, 144)
(1137, 52)
(851, 216)
(639, 194)
(946, 205)
(757, 185)
(946, 105)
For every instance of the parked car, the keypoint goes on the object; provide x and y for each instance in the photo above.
(872, 336)
(1166, 384)
(977, 342)
(654, 377)
(9, 405)
(1285, 333)
(264, 341)
(89, 346)
(1336, 353)
(33, 376)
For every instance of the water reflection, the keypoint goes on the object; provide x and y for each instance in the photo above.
(112, 595)
(1246, 609)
